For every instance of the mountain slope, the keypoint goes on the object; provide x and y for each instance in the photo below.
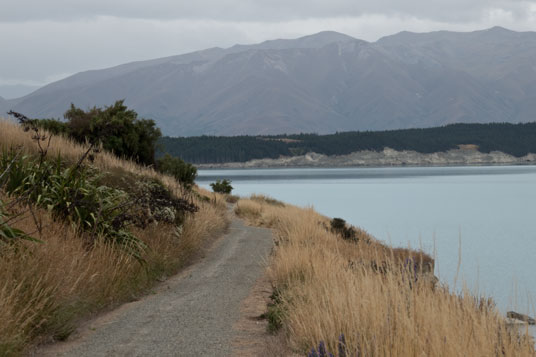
(320, 83)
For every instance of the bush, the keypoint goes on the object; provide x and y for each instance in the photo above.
(183, 172)
(72, 194)
(155, 203)
(338, 226)
(222, 186)
(8, 234)
(53, 126)
(116, 127)
(275, 313)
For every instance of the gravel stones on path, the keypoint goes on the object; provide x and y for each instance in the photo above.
(191, 314)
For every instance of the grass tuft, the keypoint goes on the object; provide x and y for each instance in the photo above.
(47, 288)
(384, 301)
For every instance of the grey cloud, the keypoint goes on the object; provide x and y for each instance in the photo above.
(43, 51)
(43, 41)
(254, 10)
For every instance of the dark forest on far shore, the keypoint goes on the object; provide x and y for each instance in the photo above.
(514, 139)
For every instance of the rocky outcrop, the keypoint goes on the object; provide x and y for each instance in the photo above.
(387, 157)
(515, 316)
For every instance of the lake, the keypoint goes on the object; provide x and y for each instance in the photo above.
(488, 214)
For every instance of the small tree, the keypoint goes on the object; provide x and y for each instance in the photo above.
(222, 186)
(183, 172)
(117, 127)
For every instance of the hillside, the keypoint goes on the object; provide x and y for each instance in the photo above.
(340, 292)
(80, 236)
(513, 139)
(321, 83)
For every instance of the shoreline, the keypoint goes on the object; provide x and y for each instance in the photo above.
(386, 158)
(316, 269)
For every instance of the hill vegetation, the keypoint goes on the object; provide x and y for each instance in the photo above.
(78, 236)
(115, 127)
(83, 230)
(338, 289)
(514, 139)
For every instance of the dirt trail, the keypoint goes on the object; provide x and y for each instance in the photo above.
(191, 314)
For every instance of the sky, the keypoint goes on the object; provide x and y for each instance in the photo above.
(44, 41)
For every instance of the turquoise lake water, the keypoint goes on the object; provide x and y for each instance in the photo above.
(486, 213)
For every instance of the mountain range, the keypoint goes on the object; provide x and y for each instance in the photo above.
(321, 83)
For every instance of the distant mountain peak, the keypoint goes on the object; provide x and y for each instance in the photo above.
(317, 40)
(324, 82)
(497, 32)
(332, 36)
(498, 29)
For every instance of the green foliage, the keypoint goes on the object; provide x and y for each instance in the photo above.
(275, 313)
(338, 226)
(183, 172)
(154, 202)
(116, 127)
(218, 149)
(8, 234)
(53, 126)
(222, 186)
(72, 194)
(513, 139)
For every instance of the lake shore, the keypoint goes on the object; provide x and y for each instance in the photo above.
(427, 207)
(337, 287)
(385, 158)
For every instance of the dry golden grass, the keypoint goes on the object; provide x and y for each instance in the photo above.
(45, 289)
(12, 136)
(331, 287)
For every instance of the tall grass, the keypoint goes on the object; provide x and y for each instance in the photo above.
(11, 136)
(47, 288)
(367, 291)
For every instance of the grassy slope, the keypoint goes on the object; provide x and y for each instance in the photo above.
(46, 288)
(329, 286)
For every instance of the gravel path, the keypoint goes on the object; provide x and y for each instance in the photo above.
(191, 314)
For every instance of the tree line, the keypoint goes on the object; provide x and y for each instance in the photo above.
(118, 130)
(514, 139)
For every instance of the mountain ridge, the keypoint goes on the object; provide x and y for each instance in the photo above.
(322, 83)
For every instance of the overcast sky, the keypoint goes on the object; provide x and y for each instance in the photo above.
(43, 41)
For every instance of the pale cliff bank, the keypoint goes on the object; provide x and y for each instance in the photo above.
(387, 157)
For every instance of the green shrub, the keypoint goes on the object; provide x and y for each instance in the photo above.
(72, 194)
(53, 126)
(154, 202)
(116, 127)
(222, 186)
(8, 234)
(275, 313)
(338, 226)
(183, 172)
